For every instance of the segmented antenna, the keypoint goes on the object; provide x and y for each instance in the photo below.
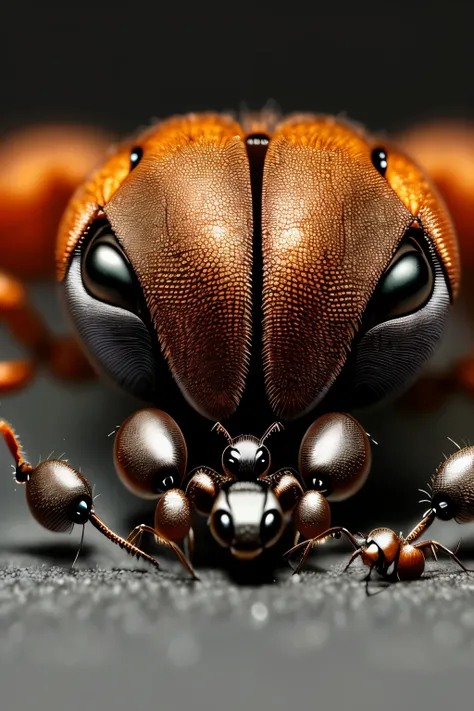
(121, 542)
(276, 427)
(222, 430)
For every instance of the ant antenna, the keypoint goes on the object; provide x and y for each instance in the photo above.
(222, 430)
(455, 443)
(80, 547)
(121, 542)
(276, 427)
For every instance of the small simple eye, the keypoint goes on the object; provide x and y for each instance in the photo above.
(407, 283)
(444, 507)
(223, 527)
(379, 159)
(106, 272)
(135, 156)
(270, 526)
(262, 460)
(231, 460)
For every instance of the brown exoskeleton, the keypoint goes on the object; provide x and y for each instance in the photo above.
(395, 557)
(247, 505)
(59, 497)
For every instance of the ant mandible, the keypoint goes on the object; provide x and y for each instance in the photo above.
(394, 557)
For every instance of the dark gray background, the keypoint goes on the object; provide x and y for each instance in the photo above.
(126, 638)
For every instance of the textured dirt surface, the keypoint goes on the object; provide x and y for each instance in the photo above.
(126, 638)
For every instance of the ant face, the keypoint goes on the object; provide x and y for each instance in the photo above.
(246, 518)
(246, 458)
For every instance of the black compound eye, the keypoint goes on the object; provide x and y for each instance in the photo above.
(106, 272)
(80, 509)
(379, 159)
(262, 460)
(223, 527)
(135, 156)
(407, 284)
(444, 507)
(231, 460)
(270, 526)
(165, 482)
(322, 484)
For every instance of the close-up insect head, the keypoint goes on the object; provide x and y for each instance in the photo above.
(245, 325)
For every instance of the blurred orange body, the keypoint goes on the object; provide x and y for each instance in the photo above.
(40, 168)
(446, 150)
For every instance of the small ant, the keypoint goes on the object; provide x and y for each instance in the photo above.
(395, 557)
(247, 506)
(59, 497)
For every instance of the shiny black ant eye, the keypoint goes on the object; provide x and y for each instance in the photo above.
(135, 157)
(106, 272)
(231, 459)
(406, 285)
(379, 159)
(262, 460)
(444, 507)
(270, 526)
(223, 527)
(80, 509)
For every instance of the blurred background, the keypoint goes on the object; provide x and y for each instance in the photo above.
(119, 67)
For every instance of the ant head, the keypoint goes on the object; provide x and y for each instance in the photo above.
(246, 457)
(335, 456)
(247, 518)
(380, 549)
(452, 486)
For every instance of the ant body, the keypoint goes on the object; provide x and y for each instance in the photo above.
(246, 505)
(394, 557)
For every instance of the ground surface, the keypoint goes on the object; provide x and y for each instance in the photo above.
(118, 638)
(122, 639)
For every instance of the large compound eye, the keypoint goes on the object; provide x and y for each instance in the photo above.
(402, 324)
(407, 283)
(262, 460)
(108, 310)
(107, 273)
(222, 527)
(231, 460)
(270, 527)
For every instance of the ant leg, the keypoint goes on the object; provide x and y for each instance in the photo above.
(61, 496)
(355, 555)
(142, 528)
(62, 354)
(440, 547)
(329, 533)
(135, 536)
